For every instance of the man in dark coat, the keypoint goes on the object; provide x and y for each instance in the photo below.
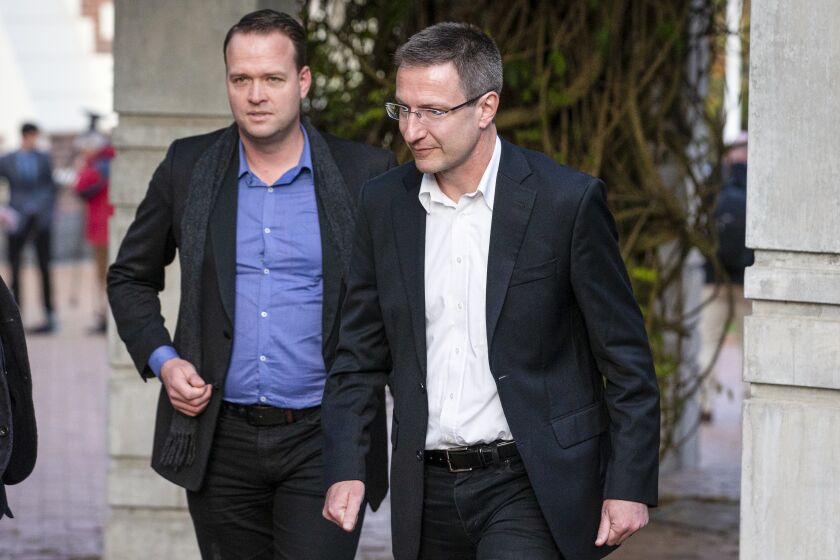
(18, 434)
(261, 215)
(487, 290)
(32, 197)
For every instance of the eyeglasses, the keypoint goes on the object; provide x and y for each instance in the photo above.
(400, 112)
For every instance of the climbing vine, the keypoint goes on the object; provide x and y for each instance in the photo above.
(627, 90)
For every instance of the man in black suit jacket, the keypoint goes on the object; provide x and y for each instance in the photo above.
(32, 197)
(18, 434)
(261, 215)
(487, 290)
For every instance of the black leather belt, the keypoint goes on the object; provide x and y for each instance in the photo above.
(464, 459)
(264, 415)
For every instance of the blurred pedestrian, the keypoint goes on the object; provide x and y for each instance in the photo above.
(725, 286)
(731, 216)
(96, 153)
(33, 193)
(18, 433)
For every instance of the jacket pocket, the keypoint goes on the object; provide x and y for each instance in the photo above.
(580, 425)
(526, 274)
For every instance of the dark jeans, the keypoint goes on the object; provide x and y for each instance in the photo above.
(30, 227)
(485, 514)
(263, 495)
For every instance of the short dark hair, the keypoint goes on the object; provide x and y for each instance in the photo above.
(28, 128)
(269, 21)
(474, 54)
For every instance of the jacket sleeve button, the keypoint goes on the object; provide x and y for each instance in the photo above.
(420, 456)
(4, 431)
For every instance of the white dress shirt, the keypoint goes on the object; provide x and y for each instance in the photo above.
(464, 405)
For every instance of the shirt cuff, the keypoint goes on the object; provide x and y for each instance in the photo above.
(160, 356)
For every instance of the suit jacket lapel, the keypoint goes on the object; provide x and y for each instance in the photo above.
(336, 218)
(223, 236)
(409, 219)
(511, 212)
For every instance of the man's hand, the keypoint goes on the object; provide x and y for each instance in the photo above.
(343, 502)
(619, 520)
(188, 392)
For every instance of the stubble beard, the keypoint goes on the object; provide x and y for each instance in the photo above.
(275, 135)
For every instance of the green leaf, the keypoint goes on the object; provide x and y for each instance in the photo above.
(558, 63)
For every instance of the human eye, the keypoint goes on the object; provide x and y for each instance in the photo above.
(274, 79)
(238, 80)
(435, 113)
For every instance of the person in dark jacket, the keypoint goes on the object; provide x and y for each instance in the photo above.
(487, 290)
(33, 193)
(18, 434)
(261, 214)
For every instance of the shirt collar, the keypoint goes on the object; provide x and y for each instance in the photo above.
(430, 190)
(304, 163)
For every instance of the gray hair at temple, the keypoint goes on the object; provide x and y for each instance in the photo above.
(475, 55)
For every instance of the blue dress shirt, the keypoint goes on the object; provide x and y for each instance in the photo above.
(276, 357)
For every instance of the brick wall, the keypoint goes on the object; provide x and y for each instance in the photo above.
(91, 9)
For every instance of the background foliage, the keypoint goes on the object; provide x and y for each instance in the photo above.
(617, 88)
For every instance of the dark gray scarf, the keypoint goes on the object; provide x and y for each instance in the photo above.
(205, 182)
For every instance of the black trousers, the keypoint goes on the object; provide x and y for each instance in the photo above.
(263, 495)
(485, 514)
(31, 227)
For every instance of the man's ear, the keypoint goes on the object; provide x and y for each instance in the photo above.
(305, 79)
(489, 104)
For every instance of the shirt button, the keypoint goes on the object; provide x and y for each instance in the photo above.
(460, 305)
(270, 189)
(263, 399)
(267, 230)
(451, 396)
(263, 314)
(457, 350)
(458, 260)
(262, 358)
(265, 271)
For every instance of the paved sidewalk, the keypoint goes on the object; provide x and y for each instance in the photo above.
(60, 509)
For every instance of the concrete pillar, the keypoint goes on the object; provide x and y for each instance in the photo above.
(790, 500)
(168, 83)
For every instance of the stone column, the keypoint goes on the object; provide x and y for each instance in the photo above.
(168, 83)
(790, 499)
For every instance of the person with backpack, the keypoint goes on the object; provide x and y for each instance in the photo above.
(92, 186)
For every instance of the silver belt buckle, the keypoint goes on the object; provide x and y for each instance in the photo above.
(449, 461)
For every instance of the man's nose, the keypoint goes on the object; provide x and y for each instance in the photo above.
(256, 93)
(411, 127)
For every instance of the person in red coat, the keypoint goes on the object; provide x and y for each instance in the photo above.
(92, 186)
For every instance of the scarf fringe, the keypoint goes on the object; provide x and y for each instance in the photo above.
(178, 451)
